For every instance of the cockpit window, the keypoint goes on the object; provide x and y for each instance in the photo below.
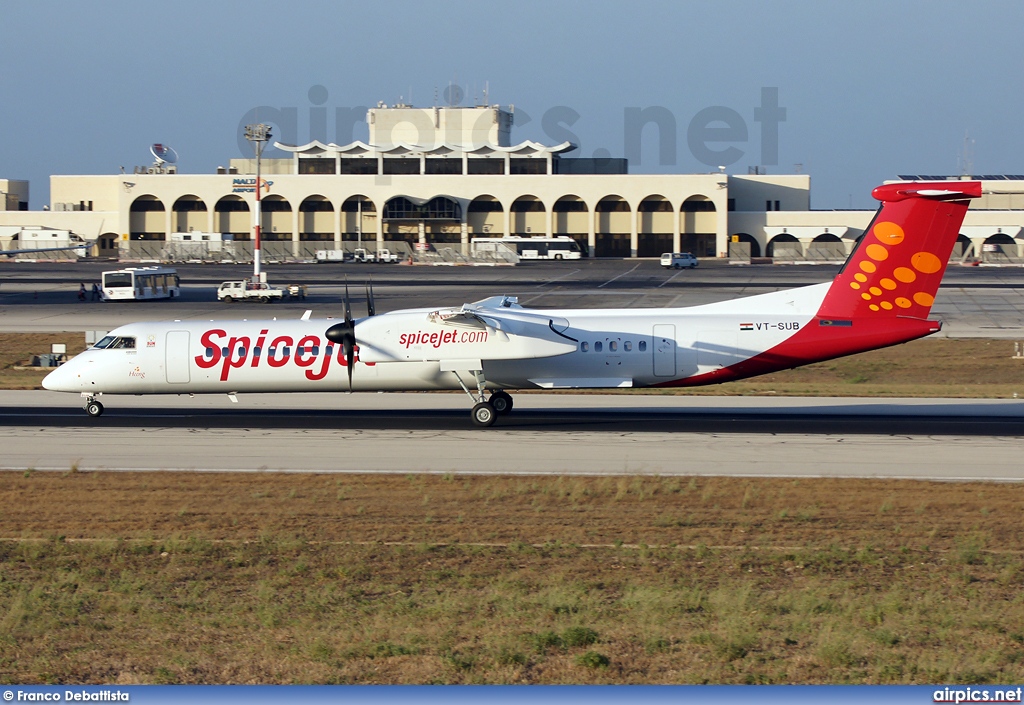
(114, 342)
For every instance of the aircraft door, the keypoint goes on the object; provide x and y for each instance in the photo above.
(664, 350)
(176, 360)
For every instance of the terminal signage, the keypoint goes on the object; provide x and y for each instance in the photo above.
(248, 185)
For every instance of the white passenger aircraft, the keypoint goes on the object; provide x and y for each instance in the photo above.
(881, 297)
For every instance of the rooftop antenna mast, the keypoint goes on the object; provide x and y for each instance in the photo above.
(967, 160)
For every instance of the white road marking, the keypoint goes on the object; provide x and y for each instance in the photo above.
(552, 281)
(617, 277)
(670, 278)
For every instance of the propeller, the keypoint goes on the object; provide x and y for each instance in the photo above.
(344, 333)
(370, 308)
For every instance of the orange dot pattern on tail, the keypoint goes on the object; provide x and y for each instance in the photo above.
(892, 273)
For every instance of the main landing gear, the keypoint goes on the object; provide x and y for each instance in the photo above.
(92, 407)
(486, 411)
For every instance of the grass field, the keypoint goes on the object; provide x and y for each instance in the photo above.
(258, 578)
(940, 367)
(262, 578)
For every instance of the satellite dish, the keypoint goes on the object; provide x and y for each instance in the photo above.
(163, 153)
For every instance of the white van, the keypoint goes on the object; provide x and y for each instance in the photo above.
(678, 260)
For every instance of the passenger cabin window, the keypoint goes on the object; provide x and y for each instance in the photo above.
(613, 345)
(584, 346)
(642, 346)
(627, 346)
(597, 346)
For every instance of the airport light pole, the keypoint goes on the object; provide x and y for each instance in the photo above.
(258, 134)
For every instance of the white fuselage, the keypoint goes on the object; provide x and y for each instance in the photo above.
(415, 350)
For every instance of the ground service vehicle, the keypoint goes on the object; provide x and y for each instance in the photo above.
(881, 297)
(337, 256)
(678, 260)
(246, 289)
(140, 283)
(540, 247)
(357, 255)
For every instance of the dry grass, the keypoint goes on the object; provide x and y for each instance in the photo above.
(168, 577)
(17, 349)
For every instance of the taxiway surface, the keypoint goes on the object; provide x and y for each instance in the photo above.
(546, 433)
(561, 434)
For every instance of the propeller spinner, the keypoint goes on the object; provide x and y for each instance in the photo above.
(344, 333)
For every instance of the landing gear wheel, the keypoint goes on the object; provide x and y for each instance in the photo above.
(94, 409)
(484, 414)
(502, 402)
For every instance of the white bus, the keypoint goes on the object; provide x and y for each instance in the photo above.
(541, 247)
(140, 283)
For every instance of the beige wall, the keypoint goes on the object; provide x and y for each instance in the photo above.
(14, 193)
(466, 127)
(792, 191)
(316, 222)
(657, 221)
(571, 222)
(533, 222)
(486, 224)
(703, 222)
(233, 222)
(112, 196)
(378, 189)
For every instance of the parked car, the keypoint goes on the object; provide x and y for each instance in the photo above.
(678, 260)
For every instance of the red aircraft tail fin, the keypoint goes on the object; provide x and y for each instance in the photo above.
(898, 264)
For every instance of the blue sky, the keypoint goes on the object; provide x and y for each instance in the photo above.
(871, 89)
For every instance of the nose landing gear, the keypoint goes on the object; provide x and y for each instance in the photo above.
(92, 407)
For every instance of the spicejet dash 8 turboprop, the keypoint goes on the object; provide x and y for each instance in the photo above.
(881, 297)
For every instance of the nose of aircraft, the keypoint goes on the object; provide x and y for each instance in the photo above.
(62, 379)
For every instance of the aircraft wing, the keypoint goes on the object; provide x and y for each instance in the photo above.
(470, 332)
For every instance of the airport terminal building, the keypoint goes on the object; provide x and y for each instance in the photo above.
(434, 178)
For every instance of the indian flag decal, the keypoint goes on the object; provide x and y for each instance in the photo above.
(746, 326)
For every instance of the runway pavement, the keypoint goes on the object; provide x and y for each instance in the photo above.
(926, 439)
(546, 433)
